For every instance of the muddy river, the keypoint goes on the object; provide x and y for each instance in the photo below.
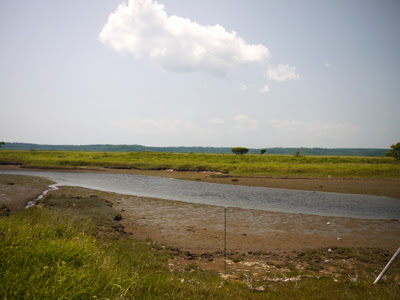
(260, 198)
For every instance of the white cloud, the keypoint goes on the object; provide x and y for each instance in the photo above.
(216, 121)
(142, 27)
(244, 122)
(240, 117)
(243, 87)
(282, 73)
(264, 89)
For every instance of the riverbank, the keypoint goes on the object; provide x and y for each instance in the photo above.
(199, 228)
(376, 187)
(266, 250)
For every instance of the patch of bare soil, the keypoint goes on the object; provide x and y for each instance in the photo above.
(16, 191)
(256, 240)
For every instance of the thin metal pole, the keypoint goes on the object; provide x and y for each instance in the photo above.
(387, 266)
(225, 241)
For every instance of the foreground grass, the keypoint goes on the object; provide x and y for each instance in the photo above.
(48, 254)
(247, 165)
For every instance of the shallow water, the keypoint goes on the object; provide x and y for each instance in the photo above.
(319, 203)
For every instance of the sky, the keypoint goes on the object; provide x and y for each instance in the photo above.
(254, 73)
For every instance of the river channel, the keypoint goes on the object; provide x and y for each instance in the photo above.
(261, 198)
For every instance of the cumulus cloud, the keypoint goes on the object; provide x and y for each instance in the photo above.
(244, 122)
(143, 28)
(282, 73)
(264, 89)
(216, 121)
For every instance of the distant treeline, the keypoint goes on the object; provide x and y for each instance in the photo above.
(221, 150)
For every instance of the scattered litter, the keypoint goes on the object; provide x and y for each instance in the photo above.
(338, 238)
(182, 280)
(326, 260)
(290, 279)
(329, 250)
(260, 289)
(329, 223)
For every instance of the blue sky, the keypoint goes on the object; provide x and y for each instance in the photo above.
(200, 73)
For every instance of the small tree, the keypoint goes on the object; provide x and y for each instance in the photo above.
(240, 150)
(262, 151)
(394, 152)
(2, 143)
(298, 152)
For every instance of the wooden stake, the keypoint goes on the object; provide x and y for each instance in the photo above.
(225, 241)
(391, 261)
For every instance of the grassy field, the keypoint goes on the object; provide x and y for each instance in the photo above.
(245, 165)
(65, 251)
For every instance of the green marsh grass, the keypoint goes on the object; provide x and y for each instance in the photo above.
(49, 254)
(242, 165)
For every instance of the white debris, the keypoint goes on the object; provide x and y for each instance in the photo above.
(260, 289)
(329, 223)
(338, 238)
(329, 250)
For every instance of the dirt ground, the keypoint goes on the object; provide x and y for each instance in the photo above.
(16, 191)
(199, 229)
(253, 235)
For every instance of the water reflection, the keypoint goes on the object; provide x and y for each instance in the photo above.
(319, 203)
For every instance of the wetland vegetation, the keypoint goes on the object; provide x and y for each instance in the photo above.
(245, 165)
(65, 251)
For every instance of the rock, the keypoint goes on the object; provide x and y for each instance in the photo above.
(4, 211)
(117, 217)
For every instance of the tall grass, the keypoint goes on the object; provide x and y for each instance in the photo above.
(252, 165)
(45, 254)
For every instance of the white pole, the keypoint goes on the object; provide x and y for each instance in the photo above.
(225, 241)
(387, 266)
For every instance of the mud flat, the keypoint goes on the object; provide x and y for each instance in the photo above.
(16, 191)
(198, 229)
